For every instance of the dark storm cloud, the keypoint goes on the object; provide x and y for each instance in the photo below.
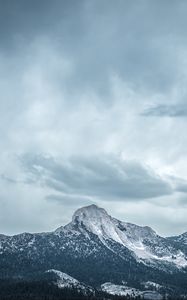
(24, 19)
(102, 38)
(105, 178)
(178, 110)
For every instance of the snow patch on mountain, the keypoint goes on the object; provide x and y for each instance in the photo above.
(66, 281)
(122, 290)
(151, 284)
(178, 259)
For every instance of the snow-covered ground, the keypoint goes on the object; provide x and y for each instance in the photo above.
(122, 290)
(66, 281)
(151, 284)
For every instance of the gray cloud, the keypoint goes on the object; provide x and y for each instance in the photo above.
(69, 200)
(183, 201)
(7, 179)
(181, 186)
(74, 78)
(102, 177)
(162, 110)
(102, 38)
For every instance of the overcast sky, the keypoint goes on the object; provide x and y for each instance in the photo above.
(93, 109)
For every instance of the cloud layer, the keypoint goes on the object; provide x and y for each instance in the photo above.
(93, 110)
(105, 178)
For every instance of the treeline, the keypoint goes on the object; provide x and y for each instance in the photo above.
(45, 290)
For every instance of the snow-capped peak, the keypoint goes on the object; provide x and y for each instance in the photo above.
(91, 212)
(95, 220)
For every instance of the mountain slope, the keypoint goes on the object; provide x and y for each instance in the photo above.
(143, 242)
(179, 242)
(96, 248)
(63, 280)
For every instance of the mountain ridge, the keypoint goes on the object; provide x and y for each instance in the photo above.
(96, 248)
(96, 207)
(95, 220)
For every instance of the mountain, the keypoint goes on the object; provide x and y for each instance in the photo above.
(96, 248)
(143, 242)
